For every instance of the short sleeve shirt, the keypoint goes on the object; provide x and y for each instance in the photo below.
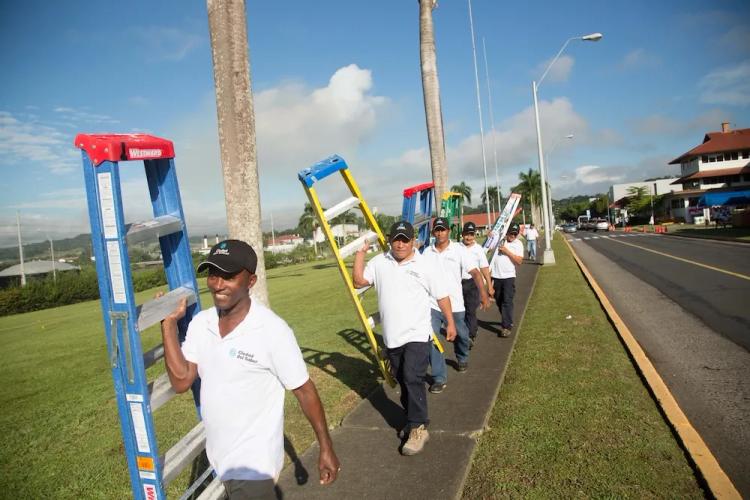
(451, 263)
(404, 291)
(475, 251)
(243, 378)
(502, 266)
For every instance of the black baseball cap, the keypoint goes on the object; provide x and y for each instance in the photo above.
(513, 229)
(469, 228)
(441, 222)
(231, 256)
(401, 228)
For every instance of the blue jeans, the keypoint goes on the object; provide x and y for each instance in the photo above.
(531, 247)
(460, 344)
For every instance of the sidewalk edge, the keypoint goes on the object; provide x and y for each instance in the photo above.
(705, 462)
(500, 381)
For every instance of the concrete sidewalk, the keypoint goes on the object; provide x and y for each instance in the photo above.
(367, 443)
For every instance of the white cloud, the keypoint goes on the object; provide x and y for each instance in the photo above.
(82, 116)
(728, 85)
(559, 72)
(738, 38)
(638, 58)
(23, 141)
(661, 125)
(167, 43)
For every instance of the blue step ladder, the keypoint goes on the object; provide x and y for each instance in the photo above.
(417, 210)
(137, 397)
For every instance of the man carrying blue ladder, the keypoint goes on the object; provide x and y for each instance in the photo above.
(246, 356)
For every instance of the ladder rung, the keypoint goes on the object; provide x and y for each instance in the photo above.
(213, 491)
(161, 391)
(421, 220)
(374, 319)
(362, 290)
(156, 310)
(152, 356)
(355, 245)
(153, 229)
(183, 452)
(340, 208)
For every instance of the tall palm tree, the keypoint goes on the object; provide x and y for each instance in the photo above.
(492, 193)
(531, 189)
(307, 224)
(227, 22)
(431, 93)
(464, 189)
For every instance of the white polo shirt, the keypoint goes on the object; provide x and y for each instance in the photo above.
(475, 251)
(532, 234)
(404, 292)
(451, 263)
(502, 266)
(243, 377)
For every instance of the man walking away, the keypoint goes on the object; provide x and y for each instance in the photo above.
(532, 235)
(404, 288)
(470, 291)
(450, 260)
(246, 356)
(507, 258)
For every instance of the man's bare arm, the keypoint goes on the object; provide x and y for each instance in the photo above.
(358, 270)
(450, 327)
(309, 401)
(181, 372)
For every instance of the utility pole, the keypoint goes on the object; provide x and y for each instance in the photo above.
(52, 256)
(227, 21)
(20, 247)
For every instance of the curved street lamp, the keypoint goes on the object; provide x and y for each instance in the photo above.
(548, 258)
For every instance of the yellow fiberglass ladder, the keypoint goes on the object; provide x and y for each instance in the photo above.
(308, 177)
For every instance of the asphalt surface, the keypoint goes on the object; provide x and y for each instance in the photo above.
(693, 324)
(367, 443)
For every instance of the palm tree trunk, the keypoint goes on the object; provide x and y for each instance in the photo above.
(431, 92)
(234, 107)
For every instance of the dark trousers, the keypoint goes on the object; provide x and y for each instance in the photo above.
(505, 289)
(409, 366)
(471, 303)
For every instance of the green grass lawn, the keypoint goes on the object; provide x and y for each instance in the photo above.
(741, 233)
(61, 435)
(573, 418)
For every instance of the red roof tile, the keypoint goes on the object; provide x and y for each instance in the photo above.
(718, 142)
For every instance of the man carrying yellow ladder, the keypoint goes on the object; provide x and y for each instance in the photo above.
(404, 285)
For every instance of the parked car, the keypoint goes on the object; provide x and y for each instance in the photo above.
(570, 228)
(601, 225)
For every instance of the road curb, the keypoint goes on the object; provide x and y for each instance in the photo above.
(704, 461)
(459, 493)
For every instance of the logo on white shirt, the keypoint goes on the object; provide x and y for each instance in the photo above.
(242, 355)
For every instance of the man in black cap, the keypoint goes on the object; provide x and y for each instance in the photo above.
(246, 357)
(405, 286)
(508, 256)
(469, 286)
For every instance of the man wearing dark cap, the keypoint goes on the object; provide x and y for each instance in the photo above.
(405, 285)
(246, 356)
(469, 286)
(508, 256)
(450, 260)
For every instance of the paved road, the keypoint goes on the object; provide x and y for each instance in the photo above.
(686, 302)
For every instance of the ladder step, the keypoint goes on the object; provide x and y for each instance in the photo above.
(152, 356)
(161, 391)
(340, 208)
(153, 229)
(351, 248)
(213, 491)
(362, 290)
(154, 311)
(374, 319)
(183, 452)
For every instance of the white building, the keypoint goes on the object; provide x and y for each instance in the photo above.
(340, 231)
(284, 243)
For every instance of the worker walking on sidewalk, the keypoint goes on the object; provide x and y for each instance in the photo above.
(404, 286)
(246, 356)
(508, 256)
(450, 259)
(532, 235)
(470, 290)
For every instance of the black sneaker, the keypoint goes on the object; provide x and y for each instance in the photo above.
(437, 388)
(462, 366)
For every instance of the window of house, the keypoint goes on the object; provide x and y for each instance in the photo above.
(704, 158)
(746, 177)
(735, 155)
(693, 202)
(677, 203)
(711, 159)
(727, 156)
(746, 154)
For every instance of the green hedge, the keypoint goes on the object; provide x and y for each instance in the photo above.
(71, 287)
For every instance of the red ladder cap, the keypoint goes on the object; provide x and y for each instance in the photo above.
(411, 191)
(124, 147)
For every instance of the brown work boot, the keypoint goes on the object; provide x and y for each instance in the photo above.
(417, 438)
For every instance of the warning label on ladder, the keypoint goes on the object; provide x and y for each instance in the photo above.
(107, 203)
(115, 272)
(139, 426)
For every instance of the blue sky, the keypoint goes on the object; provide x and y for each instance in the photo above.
(343, 77)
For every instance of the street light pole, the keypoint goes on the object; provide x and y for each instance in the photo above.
(52, 256)
(548, 258)
(549, 188)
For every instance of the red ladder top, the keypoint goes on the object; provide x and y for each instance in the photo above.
(411, 191)
(124, 147)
